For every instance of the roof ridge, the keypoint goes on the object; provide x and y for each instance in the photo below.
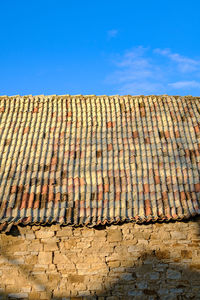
(93, 95)
(84, 97)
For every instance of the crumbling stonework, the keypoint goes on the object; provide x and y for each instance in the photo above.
(129, 261)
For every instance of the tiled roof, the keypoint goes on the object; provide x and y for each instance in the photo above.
(98, 159)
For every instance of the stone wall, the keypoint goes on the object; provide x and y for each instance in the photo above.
(129, 261)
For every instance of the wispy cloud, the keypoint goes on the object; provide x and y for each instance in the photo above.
(185, 64)
(185, 84)
(146, 71)
(112, 33)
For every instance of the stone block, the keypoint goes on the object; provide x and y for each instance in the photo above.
(8, 280)
(44, 234)
(60, 258)
(31, 259)
(103, 248)
(162, 235)
(178, 235)
(26, 289)
(172, 274)
(76, 278)
(54, 227)
(45, 258)
(114, 235)
(17, 261)
(35, 245)
(113, 264)
(34, 295)
(39, 287)
(154, 275)
(83, 245)
(64, 232)
(185, 254)
(30, 236)
(21, 253)
(17, 246)
(165, 254)
(69, 244)
(54, 278)
(100, 234)
(88, 232)
(51, 246)
(18, 295)
(40, 267)
(45, 295)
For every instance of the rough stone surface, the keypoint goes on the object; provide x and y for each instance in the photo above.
(129, 261)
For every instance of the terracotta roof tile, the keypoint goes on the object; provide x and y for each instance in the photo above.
(97, 159)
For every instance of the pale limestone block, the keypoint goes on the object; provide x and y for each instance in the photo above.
(88, 233)
(90, 272)
(39, 288)
(24, 253)
(77, 232)
(83, 245)
(45, 258)
(40, 266)
(34, 252)
(18, 246)
(54, 278)
(8, 280)
(30, 236)
(100, 234)
(68, 244)
(114, 257)
(178, 235)
(35, 246)
(26, 289)
(54, 227)
(76, 278)
(50, 240)
(161, 235)
(40, 234)
(60, 258)
(102, 249)
(113, 264)
(84, 265)
(64, 232)
(114, 235)
(51, 246)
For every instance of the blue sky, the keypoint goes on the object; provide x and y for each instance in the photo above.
(100, 47)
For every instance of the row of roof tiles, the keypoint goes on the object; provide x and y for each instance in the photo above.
(89, 160)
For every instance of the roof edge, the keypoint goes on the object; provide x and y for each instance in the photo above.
(5, 227)
(93, 95)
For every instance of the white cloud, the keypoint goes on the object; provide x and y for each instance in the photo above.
(136, 73)
(185, 84)
(112, 33)
(185, 64)
(142, 71)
